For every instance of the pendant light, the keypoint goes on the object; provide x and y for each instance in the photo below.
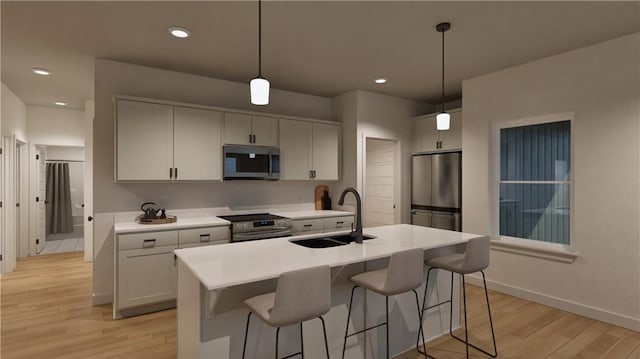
(443, 118)
(259, 85)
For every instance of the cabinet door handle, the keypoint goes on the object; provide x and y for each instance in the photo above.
(307, 225)
(311, 174)
(205, 238)
(171, 173)
(176, 170)
(149, 243)
(339, 222)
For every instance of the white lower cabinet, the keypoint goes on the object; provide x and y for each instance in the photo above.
(145, 270)
(338, 223)
(307, 226)
(146, 274)
(199, 237)
(322, 225)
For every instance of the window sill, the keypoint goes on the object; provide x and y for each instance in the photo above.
(551, 251)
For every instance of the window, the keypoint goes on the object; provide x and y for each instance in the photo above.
(534, 181)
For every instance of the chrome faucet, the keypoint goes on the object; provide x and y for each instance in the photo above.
(357, 234)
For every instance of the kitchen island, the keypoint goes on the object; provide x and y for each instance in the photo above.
(213, 282)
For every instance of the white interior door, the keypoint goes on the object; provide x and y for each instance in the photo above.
(22, 199)
(9, 200)
(379, 207)
(41, 175)
(89, 113)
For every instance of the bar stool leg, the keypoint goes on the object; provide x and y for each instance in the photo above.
(421, 330)
(466, 327)
(301, 342)
(466, 340)
(324, 331)
(346, 331)
(451, 307)
(246, 333)
(421, 312)
(386, 303)
(277, 337)
(493, 336)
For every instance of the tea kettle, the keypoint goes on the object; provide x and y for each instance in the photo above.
(150, 212)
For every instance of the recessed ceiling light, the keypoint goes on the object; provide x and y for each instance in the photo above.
(179, 32)
(60, 103)
(381, 81)
(42, 72)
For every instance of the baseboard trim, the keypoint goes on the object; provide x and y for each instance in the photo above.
(559, 303)
(102, 298)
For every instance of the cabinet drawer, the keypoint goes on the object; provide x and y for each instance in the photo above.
(192, 245)
(308, 225)
(338, 223)
(147, 240)
(203, 235)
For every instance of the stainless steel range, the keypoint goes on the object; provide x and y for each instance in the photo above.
(248, 227)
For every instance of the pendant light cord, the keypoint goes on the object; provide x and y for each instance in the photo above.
(260, 38)
(442, 98)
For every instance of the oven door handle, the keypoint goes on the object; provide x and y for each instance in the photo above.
(261, 235)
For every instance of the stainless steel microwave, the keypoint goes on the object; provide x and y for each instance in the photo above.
(251, 162)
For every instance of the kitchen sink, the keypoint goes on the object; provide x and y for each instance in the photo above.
(346, 238)
(326, 242)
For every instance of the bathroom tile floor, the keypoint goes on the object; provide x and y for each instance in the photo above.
(63, 245)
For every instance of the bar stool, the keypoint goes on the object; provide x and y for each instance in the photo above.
(300, 295)
(403, 274)
(474, 259)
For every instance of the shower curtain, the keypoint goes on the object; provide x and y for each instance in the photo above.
(58, 201)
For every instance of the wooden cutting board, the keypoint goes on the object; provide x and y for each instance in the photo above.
(319, 190)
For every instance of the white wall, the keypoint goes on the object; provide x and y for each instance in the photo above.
(55, 126)
(114, 78)
(600, 83)
(14, 115)
(369, 114)
(14, 124)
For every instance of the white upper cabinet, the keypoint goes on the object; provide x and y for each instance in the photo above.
(309, 150)
(163, 142)
(144, 140)
(295, 149)
(325, 156)
(197, 153)
(265, 131)
(426, 136)
(245, 129)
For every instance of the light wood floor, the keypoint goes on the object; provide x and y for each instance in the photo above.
(46, 312)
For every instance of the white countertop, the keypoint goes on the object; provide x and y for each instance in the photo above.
(226, 265)
(193, 220)
(181, 223)
(307, 214)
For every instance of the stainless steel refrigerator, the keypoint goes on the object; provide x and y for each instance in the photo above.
(436, 187)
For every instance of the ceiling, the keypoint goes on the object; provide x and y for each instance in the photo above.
(324, 48)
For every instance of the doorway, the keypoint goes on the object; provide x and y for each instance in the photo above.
(61, 185)
(380, 190)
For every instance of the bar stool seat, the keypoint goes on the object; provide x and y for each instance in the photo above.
(403, 274)
(301, 295)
